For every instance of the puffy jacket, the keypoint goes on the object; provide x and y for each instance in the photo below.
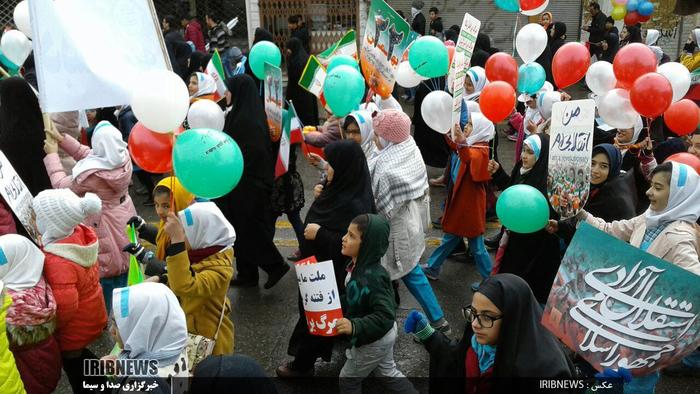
(112, 186)
(71, 269)
(193, 32)
(7, 222)
(10, 381)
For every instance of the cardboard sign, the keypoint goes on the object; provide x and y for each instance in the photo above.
(17, 196)
(460, 63)
(319, 293)
(274, 100)
(618, 306)
(570, 146)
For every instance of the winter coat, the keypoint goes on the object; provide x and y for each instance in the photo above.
(328, 132)
(39, 365)
(193, 33)
(202, 288)
(678, 243)
(418, 24)
(7, 222)
(691, 62)
(112, 186)
(409, 222)
(10, 381)
(71, 269)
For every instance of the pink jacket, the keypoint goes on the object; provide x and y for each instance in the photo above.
(7, 221)
(112, 186)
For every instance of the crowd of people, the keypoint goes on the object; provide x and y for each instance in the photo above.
(369, 216)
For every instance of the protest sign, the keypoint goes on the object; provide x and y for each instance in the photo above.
(386, 38)
(89, 53)
(319, 293)
(17, 196)
(460, 63)
(274, 100)
(626, 309)
(570, 146)
(347, 45)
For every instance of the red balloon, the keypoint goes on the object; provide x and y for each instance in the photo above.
(685, 158)
(643, 18)
(502, 67)
(570, 64)
(633, 61)
(651, 94)
(151, 151)
(682, 117)
(527, 5)
(497, 100)
(632, 18)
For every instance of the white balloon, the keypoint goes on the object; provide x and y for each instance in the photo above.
(437, 111)
(616, 110)
(16, 47)
(406, 76)
(545, 100)
(205, 114)
(536, 11)
(678, 75)
(600, 77)
(160, 100)
(531, 42)
(21, 17)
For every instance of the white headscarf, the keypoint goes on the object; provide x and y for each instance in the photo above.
(652, 37)
(108, 150)
(206, 226)
(483, 129)
(364, 122)
(658, 53)
(534, 142)
(638, 126)
(205, 85)
(151, 322)
(478, 77)
(683, 198)
(696, 36)
(21, 262)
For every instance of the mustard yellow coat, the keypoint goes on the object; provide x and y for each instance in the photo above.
(691, 62)
(10, 381)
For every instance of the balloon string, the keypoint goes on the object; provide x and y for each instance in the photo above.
(426, 85)
(515, 30)
(172, 184)
(493, 147)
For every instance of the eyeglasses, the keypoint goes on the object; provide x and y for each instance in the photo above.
(485, 321)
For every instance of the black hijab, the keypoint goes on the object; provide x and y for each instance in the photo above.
(350, 192)
(198, 62)
(634, 34)
(218, 373)
(262, 35)
(22, 133)
(482, 50)
(559, 37)
(614, 159)
(298, 58)
(613, 42)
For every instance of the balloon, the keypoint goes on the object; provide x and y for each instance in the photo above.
(160, 100)
(428, 57)
(545, 101)
(338, 60)
(207, 162)
(344, 89)
(533, 7)
(600, 77)
(570, 64)
(21, 17)
(644, 18)
(522, 209)
(632, 18)
(618, 12)
(16, 46)
(502, 67)
(406, 77)
(631, 62)
(632, 5)
(497, 100)
(645, 8)
(9, 66)
(678, 75)
(508, 5)
(531, 78)
(531, 42)
(651, 94)
(205, 114)
(151, 151)
(682, 117)
(261, 53)
(437, 111)
(685, 158)
(616, 110)
(620, 2)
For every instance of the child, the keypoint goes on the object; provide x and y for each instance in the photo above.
(371, 311)
(71, 270)
(31, 319)
(10, 380)
(328, 132)
(201, 87)
(358, 127)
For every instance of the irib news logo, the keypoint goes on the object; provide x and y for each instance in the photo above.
(120, 367)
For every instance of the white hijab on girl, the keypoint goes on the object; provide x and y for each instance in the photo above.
(108, 150)
(683, 198)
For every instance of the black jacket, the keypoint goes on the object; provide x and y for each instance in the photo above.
(179, 52)
(597, 31)
(418, 24)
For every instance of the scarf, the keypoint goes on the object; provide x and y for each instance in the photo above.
(535, 144)
(485, 353)
(478, 77)
(652, 37)
(631, 144)
(31, 316)
(206, 226)
(363, 118)
(181, 199)
(205, 85)
(682, 200)
(483, 129)
(108, 150)
(551, 19)
(21, 262)
(614, 162)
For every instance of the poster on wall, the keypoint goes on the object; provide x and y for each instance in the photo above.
(274, 100)
(460, 63)
(17, 196)
(319, 295)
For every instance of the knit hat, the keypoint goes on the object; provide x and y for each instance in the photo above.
(392, 125)
(59, 211)
(417, 4)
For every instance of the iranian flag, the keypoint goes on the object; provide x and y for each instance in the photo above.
(313, 77)
(295, 129)
(215, 69)
(347, 45)
(291, 130)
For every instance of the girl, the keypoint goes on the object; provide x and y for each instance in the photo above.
(346, 194)
(328, 132)
(200, 266)
(106, 171)
(637, 156)
(71, 270)
(503, 339)
(201, 87)
(358, 127)
(31, 318)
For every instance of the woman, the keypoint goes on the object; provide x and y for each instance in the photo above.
(630, 34)
(557, 37)
(691, 60)
(201, 87)
(546, 20)
(482, 50)
(200, 266)
(432, 144)
(347, 193)
(249, 205)
(304, 102)
(503, 339)
(637, 157)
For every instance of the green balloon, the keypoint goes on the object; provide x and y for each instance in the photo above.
(339, 60)
(428, 57)
(343, 89)
(261, 53)
(523, 209)
(207, 162)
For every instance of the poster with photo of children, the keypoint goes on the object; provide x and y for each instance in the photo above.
(570, 147)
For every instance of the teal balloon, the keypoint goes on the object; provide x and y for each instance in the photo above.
(12, 68)
(261, 53)
(207, 162)
(339, 60)
(428, 57)
(343, 89)
(508, 5)
(523, 209)
(531, 77)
